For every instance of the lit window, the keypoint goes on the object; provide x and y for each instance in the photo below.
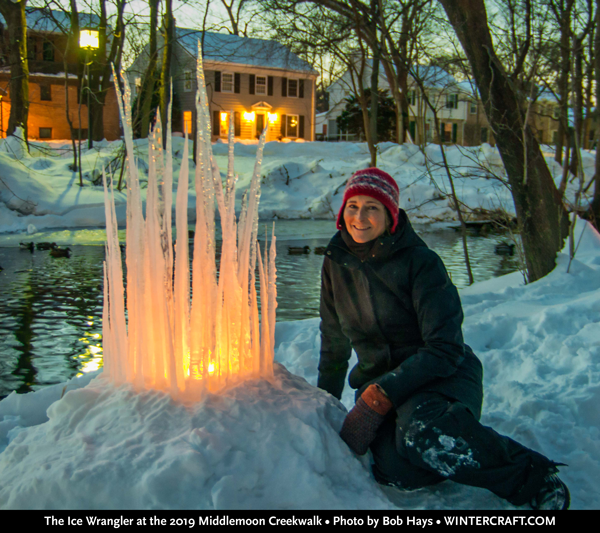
(227, 82)
(293, 88)
(187, 81)
(224, 126)
(292, 126)
(187, 122)
(261, 85)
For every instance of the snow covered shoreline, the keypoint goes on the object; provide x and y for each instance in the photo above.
(274, 444)
(38, 191)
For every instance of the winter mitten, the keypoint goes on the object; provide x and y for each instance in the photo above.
(363, 420)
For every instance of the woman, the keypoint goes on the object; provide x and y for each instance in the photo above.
(419, 386)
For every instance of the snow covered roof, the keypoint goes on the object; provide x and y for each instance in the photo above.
(226, 48)
(433, 76)
(53, 21)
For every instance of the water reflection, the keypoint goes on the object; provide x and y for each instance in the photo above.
(51, 308)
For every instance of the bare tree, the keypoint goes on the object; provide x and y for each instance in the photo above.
(240, 14)
(537, 202)
(142, 111)
(16, 30)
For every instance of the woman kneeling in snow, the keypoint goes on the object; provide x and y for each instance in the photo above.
(419, 397)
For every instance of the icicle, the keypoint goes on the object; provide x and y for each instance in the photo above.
(186, 344)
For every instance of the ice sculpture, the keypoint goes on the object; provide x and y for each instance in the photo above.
(175, 340)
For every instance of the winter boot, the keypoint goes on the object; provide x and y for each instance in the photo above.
(553, 496)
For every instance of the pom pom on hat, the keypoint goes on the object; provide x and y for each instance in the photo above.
(376, 184)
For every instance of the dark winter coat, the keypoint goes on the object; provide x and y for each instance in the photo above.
(402, 315)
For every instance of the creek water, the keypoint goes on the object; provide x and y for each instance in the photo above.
(51, 308)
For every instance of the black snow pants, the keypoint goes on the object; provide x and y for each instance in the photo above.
(433, 438)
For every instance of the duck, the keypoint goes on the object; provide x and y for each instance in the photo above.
(298, 249)
(45, 245)
(60, 252)
(505, 248)
(320, 250)
(26, 246)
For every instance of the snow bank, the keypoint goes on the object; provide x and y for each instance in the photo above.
(303, 180)
(274, 444)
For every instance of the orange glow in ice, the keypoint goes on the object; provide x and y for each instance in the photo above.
(187, 332)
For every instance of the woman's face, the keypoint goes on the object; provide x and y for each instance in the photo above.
(365, 218)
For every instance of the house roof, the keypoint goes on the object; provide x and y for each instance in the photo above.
(54, 21)
(226, 48)
(434, 77)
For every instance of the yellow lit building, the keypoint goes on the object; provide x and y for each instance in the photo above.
(261, 82)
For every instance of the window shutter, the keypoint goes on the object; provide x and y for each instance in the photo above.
(454, 132)
(217, 81)
(270, 86)
(237, 124)
(283, 86)
(252, 83)
(300, 88)
(301, 126)
(236, 82)
(216, 125)
(283, 123)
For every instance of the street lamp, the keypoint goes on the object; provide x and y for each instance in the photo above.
(89, 40)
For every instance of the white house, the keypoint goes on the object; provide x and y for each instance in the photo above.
(447, 96)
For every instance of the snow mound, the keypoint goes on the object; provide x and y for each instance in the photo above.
(260, 444)
(284, 174)
(404, 153)
(15, 145)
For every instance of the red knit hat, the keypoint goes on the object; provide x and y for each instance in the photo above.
(376, 184)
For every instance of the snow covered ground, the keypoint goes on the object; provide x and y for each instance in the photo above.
(274, 444)
(38, 191)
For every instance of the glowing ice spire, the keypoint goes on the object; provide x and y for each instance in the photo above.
(175, 342)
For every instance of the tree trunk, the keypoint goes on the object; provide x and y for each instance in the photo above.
(577, 103)
(101, 73)
(373, 112)
(595, 206)
(14, 15)
(165, 73)
(144, 103)
(538, 205)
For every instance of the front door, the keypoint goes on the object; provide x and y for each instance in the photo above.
(260, 125)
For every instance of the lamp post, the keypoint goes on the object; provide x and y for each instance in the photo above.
(89, 40)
